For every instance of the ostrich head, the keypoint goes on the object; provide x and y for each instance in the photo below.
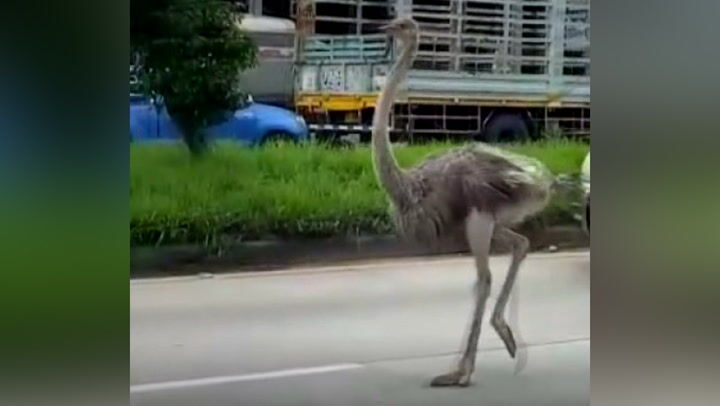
(403, 28)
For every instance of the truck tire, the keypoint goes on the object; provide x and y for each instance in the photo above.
(506, 128)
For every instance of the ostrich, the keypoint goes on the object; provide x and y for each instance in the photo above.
(476, 192)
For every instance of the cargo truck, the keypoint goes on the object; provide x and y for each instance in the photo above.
(493, 70)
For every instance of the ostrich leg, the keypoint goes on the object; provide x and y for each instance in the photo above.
(479, 231)
(520, 246)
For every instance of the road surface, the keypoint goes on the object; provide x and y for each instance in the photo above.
(366, 334)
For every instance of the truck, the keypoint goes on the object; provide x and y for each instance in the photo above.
(490, 70)
(271, 81)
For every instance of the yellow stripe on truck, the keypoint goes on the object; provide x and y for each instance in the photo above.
(331, 102)
(345, 102)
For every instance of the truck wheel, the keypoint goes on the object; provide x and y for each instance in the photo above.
(506, 128)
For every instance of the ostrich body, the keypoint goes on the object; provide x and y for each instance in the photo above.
(476, 193)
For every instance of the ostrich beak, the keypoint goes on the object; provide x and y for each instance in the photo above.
(388, 28)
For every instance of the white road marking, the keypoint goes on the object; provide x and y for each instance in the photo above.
(216, 380)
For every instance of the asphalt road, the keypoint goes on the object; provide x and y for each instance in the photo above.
(364, 334)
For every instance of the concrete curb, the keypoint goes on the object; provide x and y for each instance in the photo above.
(270, 255)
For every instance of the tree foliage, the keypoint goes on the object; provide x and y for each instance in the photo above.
(191, 53)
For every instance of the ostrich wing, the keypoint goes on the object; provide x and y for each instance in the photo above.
(481, 178)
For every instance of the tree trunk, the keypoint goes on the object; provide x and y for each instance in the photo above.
(192, 133)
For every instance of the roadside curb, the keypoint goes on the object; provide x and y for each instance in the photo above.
(271, 255)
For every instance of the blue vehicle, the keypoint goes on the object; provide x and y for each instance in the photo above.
(252, 124)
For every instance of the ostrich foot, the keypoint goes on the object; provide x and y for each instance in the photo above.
(456, 378)
(506, 335)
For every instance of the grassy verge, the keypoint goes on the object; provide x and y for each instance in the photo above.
(288, 191)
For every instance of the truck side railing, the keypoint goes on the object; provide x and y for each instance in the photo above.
(364, 78)
(344, 48)
(457, 85)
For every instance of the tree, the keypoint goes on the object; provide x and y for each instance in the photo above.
(192, 53)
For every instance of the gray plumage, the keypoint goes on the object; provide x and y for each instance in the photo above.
(442, 191)
(476, 192)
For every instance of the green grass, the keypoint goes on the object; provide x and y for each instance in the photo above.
(286, 191)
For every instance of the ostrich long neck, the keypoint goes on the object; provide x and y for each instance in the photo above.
(389, 173)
